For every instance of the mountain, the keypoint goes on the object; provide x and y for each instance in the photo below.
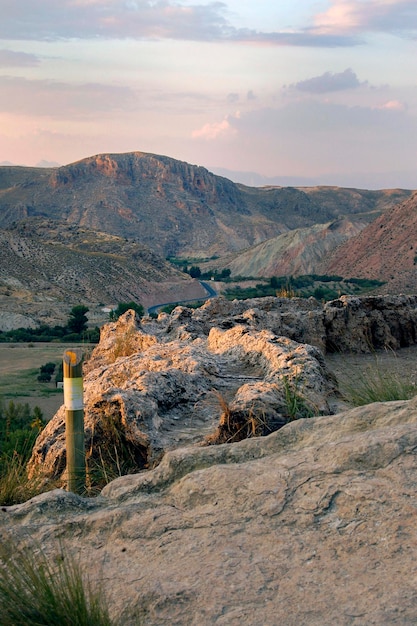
(386, 249)
(97, 231)
(170, 206)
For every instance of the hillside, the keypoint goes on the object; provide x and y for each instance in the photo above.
(48, 266)
(97, 231)
(298, 251)
(386, 249)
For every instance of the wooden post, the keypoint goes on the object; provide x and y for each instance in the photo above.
(74, 420)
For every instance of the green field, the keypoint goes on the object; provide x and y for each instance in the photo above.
(19, 369)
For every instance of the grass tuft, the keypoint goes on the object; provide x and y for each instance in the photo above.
(34, 592)
(15, 487)
(375, 385)
(295, 405)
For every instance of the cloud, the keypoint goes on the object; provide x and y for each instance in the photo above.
(354, 16)
(393, 105)
(145, 19)
(210, 132)
(161, 19)
(316, 138)
(8, 58)
(314, 118)
(59, 99)
(232, 98)
(328, 82)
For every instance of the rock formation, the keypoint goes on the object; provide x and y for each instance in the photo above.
(160, 391)
(220, 373)
(313, 525)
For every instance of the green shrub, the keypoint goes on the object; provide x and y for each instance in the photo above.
(19, 428)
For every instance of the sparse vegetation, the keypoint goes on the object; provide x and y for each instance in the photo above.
(75, 330)
(321, 287)
(36, 591)
(19, 427)
(295, 403)
(124, 345)
(111, 453)
(375, 385)
(122, 307)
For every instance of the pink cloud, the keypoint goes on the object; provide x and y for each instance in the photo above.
(353, 16)
(216, 130)
(393, 105)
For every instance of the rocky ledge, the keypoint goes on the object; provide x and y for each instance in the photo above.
(312, 525)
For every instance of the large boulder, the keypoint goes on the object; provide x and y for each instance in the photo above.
(217, 374)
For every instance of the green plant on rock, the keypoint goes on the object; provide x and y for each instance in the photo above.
(295, 404)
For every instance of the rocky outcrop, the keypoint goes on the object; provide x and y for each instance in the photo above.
(220, 373)
(313, 525)
(348, 324)
(156, 392)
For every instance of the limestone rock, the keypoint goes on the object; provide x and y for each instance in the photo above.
(218, 373)
(153, 392)
(313, 525)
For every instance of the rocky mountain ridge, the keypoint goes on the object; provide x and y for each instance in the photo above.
(163, 207)
(172, 207)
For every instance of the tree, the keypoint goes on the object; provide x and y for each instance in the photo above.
(122, 307)
(77, 321)
(194, 271)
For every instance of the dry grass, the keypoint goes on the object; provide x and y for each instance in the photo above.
(124, 345)
(236, 425)
(379, 377)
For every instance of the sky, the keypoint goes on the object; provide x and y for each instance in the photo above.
(291, 91)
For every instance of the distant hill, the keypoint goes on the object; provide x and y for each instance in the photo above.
(172, 207)
(298, 251)
(386, 249)
(98, 231)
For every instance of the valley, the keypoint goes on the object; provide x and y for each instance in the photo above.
(100, 231)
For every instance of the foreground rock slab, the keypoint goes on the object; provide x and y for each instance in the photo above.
(313, 525)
